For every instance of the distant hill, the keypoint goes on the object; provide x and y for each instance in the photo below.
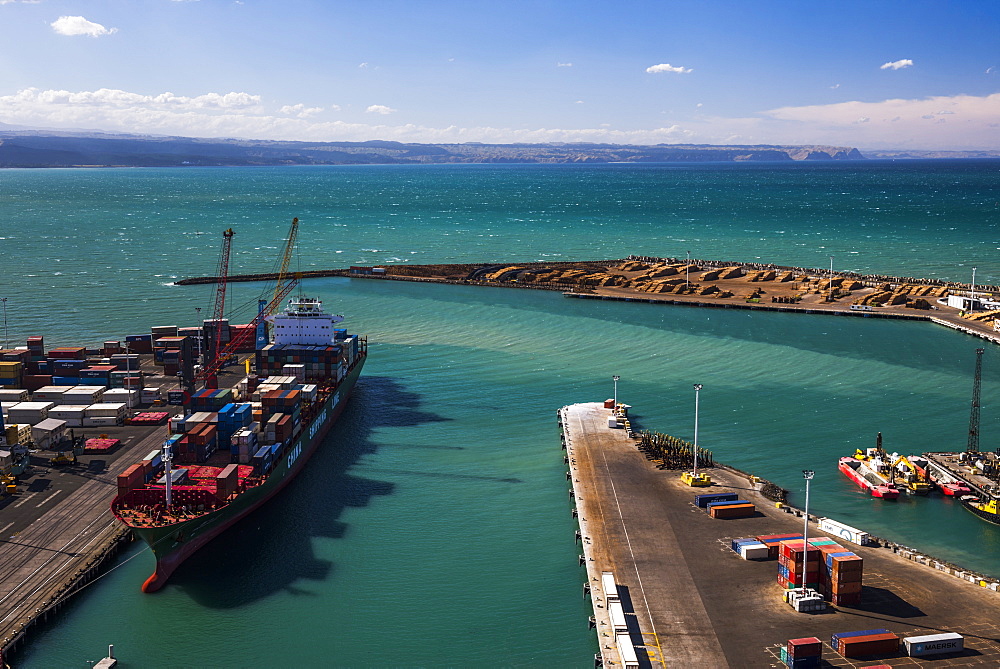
(38, 149)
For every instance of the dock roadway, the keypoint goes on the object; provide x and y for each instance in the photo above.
(53, 535)
(697, 604)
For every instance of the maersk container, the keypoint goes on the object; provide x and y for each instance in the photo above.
(838, 529)
(934, 644)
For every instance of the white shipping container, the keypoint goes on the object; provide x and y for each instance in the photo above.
(100, 421)
(626, 651)
(74, 422)
(609, 586)
(612, 421)
(934, 644)
(756, 551)
(83, 395)
(108, 409)
(833, 528)
(67, 412)
(617, 613)
(50, 392)
(13, 395)
(310, 391)
(129, 397)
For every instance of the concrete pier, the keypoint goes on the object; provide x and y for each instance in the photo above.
(57, 532)
(689, 600)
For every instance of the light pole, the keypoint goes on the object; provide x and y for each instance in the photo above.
(4, 300)
(807, 474)
(615, 379)
(831, 279)
(972, 305)
(697, 392)
(687, 271)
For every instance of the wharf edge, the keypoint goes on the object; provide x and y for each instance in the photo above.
(897, 583)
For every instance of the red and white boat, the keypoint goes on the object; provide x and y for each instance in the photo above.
(954, 488)
(867, 476)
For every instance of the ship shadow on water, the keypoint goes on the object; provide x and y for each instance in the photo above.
(271, 550)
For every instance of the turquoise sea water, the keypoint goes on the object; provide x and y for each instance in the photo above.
(438, 531)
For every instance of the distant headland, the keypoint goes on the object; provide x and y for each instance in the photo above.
(54, 149)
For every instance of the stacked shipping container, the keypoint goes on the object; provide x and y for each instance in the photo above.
(802, 653)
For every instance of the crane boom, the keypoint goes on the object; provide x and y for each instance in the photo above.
(212, 369)
(222, 276)
(973, 445)
(286, 258)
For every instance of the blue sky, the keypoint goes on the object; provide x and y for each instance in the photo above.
(874, 74)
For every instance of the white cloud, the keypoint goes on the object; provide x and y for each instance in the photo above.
(835, 87)
(335, 107)
(897, 64)
(564, 64)
(897, 123)
(380, 109)
(667, 67)
(363, 66)
(77, 25)
(891, 123)
(579, 102)
(300, 110)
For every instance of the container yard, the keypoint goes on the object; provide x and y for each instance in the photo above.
(687, 582)
(80, 424)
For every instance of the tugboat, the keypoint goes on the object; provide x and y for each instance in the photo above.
(987, 510)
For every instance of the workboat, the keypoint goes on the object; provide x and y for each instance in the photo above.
(865, 474)
(986, 510)
(953, 488)
(910, 474)
(230, 459)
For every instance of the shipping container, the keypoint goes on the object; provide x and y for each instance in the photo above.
(873, 644)
(609, 586)
(617, 614)
(755, 551)
(626, 651)
(733, 512)
(934, 644)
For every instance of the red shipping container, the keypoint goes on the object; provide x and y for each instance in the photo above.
(33, 382)
(846, 588)
(732, 512)
(873, 644)
(805, 647)
(852, 599)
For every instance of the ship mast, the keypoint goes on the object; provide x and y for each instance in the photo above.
(167, 461)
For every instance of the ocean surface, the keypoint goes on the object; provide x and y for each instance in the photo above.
(435, 529)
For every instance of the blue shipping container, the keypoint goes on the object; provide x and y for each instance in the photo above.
(701, 500)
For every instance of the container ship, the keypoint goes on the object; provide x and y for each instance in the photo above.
(239, 446)
(863, 469)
